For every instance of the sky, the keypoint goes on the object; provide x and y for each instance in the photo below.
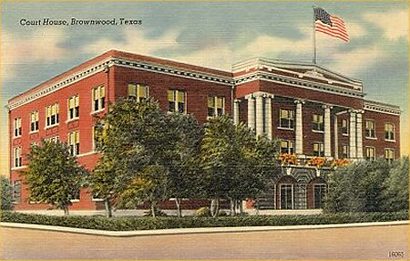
(216, 35)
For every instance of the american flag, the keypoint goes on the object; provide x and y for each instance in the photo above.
(329, 24)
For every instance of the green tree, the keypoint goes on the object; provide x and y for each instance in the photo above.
(6, 194)
(236, 164)
(357, 187)
(53, 175)
(396, 187)
(184, 167)
(135, 142)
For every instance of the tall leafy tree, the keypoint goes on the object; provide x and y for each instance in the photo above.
(396, 187)
(6, 194)
(358, 187)
(184, 167)
(236, 164)
(53, 175)
(135, 141)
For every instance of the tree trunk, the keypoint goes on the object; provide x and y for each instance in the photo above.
(240, 207)
(232, 207)
(215, 207)
(257, 206)
(66, 212)
(153, 209)
(212, 207)
(108, 208)
(178, 205)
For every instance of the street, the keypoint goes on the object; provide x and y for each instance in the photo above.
(382, 242)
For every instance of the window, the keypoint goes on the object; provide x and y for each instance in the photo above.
(176, 101)
(286, 146)
(389, 131)
(99, 98)
(345, 127)
(370, 129)
(318, 149)
(34, 121)
(317, 123)
(286, 196)
(17, 127)
(73, 107)
(216, 106)
(138, 91)
(52, 139)
(286, 119)
(17, 157)
(16, 195)
(74, 143)
(389, 155)
(52, 117)
(345, 152)
(319, 195)
(370, 153)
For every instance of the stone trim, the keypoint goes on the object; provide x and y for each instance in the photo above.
(271, 77)
(381, 107)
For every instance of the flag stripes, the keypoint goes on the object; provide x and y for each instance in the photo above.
(330, 25)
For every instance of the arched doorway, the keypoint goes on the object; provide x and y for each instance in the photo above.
(316, 192)
(285, 192)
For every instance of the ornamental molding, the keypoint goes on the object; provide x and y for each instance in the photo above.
(312, 71)
(381, 107)
(113, 61)
(305, 84)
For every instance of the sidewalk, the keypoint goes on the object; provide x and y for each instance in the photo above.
(202, 230)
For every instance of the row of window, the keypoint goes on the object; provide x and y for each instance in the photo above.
(73, 142)
(176, 103)
(287, 146)
(287, 121)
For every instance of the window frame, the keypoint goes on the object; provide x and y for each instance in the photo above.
(344, 130)
(98, 99)
(74, 142)
(34, 125)
(49, 117)
(176, 101)
(370, 133)
(215, 106)
(290, 146)
(389, 160)
(17, 157)
(370, 148)
(389, 135)
(138, 87)
(75, 110)
(318, 126)
(321, 151)
(18, 131)
(290, 120)
(292, 193)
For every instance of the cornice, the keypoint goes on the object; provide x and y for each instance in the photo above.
(113, 61)
(305, 84)
(381, 107)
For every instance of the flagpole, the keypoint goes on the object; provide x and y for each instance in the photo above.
(314, 36)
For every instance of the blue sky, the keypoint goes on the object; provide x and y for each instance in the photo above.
(210, 34)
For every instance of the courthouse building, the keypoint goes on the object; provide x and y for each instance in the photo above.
(313, 111)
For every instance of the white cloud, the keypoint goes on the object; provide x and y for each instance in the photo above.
(41, 46)
(394, 23)
(355, 30)
(136, 42)
(358, 60)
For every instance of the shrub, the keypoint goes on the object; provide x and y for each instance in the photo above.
(6, 194)
(144, 223)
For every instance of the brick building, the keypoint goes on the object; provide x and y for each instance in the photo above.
(315, 112)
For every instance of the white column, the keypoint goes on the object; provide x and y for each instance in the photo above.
(236, 111)
(335, 131)
(327, 134)
(251, 112)
(352, 135)
(359, 135)
(299, 128)
(259, 115)
(268, 114)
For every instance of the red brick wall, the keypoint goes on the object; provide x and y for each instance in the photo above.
(380, 143)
